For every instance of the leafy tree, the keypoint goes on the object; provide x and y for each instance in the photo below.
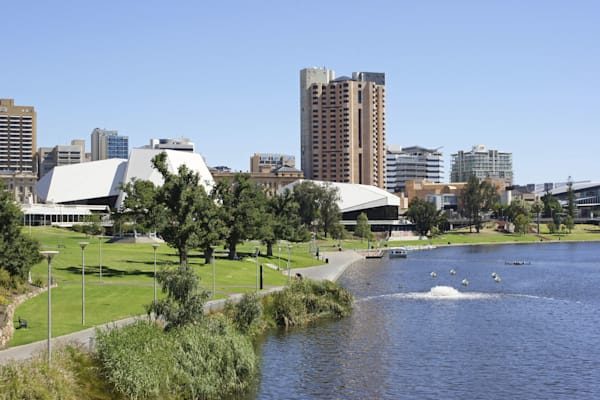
(184, 303)
(516, 208)
(18, 253)
(363, 229)
(552, 207)
(318, 206)
(570, 200)
(477, 197)
(423, 214)
(283, 222)
(242, 209)
(180, 201)
(522, 223)
(536, 208)
(139, 205)
(569, 223)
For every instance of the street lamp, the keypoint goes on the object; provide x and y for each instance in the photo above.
(256, 250)
(155, 246)
(100, 262)
(48, 254)
(213, 248)
(83, 244)
(288, 265)
(278, 258)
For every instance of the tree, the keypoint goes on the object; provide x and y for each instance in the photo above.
(139, 205)
(185, 302)
(518, 207)
(423, 214)
(18, 253)
(570, 199)
(522, 223)
(283, 221)
(569, 223)
(536, 208)
(363, 229)
(242, 210)
(318, 206)
(477, 197)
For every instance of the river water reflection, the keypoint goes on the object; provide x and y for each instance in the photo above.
(533, 335)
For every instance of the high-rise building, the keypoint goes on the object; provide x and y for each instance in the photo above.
(482, 162)
(50, 157)
(412, 163)
(17, 137)
(108, 144)
(18, 133)
(343, 126)
(267, 162)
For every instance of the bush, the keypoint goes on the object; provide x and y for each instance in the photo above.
(307, 300)
(246, 315)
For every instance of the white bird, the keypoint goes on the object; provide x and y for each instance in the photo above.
(433, 274)
(465, 282)
(452, 271)
(497, 279)
(494, 275)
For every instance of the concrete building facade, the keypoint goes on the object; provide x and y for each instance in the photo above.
(50, 157)
(108, 144)
(267, 162)
(412, 163)
(343, 127)
(18, 135)
(482, 162)
(180, 144)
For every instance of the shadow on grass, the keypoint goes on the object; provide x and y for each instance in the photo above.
(108, 272)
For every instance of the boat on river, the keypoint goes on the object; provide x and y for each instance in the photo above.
(398, 252)
(518, 262)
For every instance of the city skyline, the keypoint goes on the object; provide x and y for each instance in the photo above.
(520, 78)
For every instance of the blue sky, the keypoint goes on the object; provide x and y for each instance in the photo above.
(517, 76)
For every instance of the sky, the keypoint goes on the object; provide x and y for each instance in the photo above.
(517, 76)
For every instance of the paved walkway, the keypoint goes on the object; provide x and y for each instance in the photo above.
(337, 264)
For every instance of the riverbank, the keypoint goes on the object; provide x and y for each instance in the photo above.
(332, 270)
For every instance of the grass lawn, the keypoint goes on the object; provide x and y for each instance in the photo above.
(127, 279)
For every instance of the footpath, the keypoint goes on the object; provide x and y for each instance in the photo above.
(336, 265)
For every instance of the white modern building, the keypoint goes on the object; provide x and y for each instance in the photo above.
(99, 182)
(482, 162)
(380, 206)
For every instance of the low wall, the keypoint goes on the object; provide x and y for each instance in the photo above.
(7, 328)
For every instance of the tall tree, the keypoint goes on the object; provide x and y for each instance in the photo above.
(319, 207)
(423, 214)
(329, 210)
(283, 221)
(139, 205)
(536, 208)
(363, 229)
(18, 253)
(477, 197)
(570, 199)
(242, 209)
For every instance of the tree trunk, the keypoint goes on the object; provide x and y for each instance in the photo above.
(208, 254)
(269, 249)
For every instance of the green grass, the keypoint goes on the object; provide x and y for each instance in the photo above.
(127, 279)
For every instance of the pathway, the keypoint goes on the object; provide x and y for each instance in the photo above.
(337, 264)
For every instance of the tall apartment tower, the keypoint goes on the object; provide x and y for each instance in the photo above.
(483, 163)
(18, 132)
(343, 126)
(17, 137)
(108, 144)
(412, 163)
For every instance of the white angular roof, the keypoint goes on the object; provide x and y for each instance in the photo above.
(100, 179)
(354, 197)
(76, 182)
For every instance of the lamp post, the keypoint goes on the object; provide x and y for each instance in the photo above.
(100, 262)
(278, 258)
(214, 275)
(155, 246)
(288, 265)
(256, 250)
(48, 254)
(82, 245)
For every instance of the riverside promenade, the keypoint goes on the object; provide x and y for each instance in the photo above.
(337, 263)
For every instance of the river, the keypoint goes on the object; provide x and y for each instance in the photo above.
(535, 334)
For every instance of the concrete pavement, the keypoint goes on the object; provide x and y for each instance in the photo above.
(337, 263)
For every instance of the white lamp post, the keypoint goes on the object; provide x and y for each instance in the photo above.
(100, 242)
(278, 258)
(288, 265)
(155, 246)
(83, 244)
(49, 254)
(214, 275)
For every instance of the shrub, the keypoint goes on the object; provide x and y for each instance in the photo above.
(246, 315)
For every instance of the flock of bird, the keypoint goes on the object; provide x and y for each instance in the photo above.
(465, 282)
